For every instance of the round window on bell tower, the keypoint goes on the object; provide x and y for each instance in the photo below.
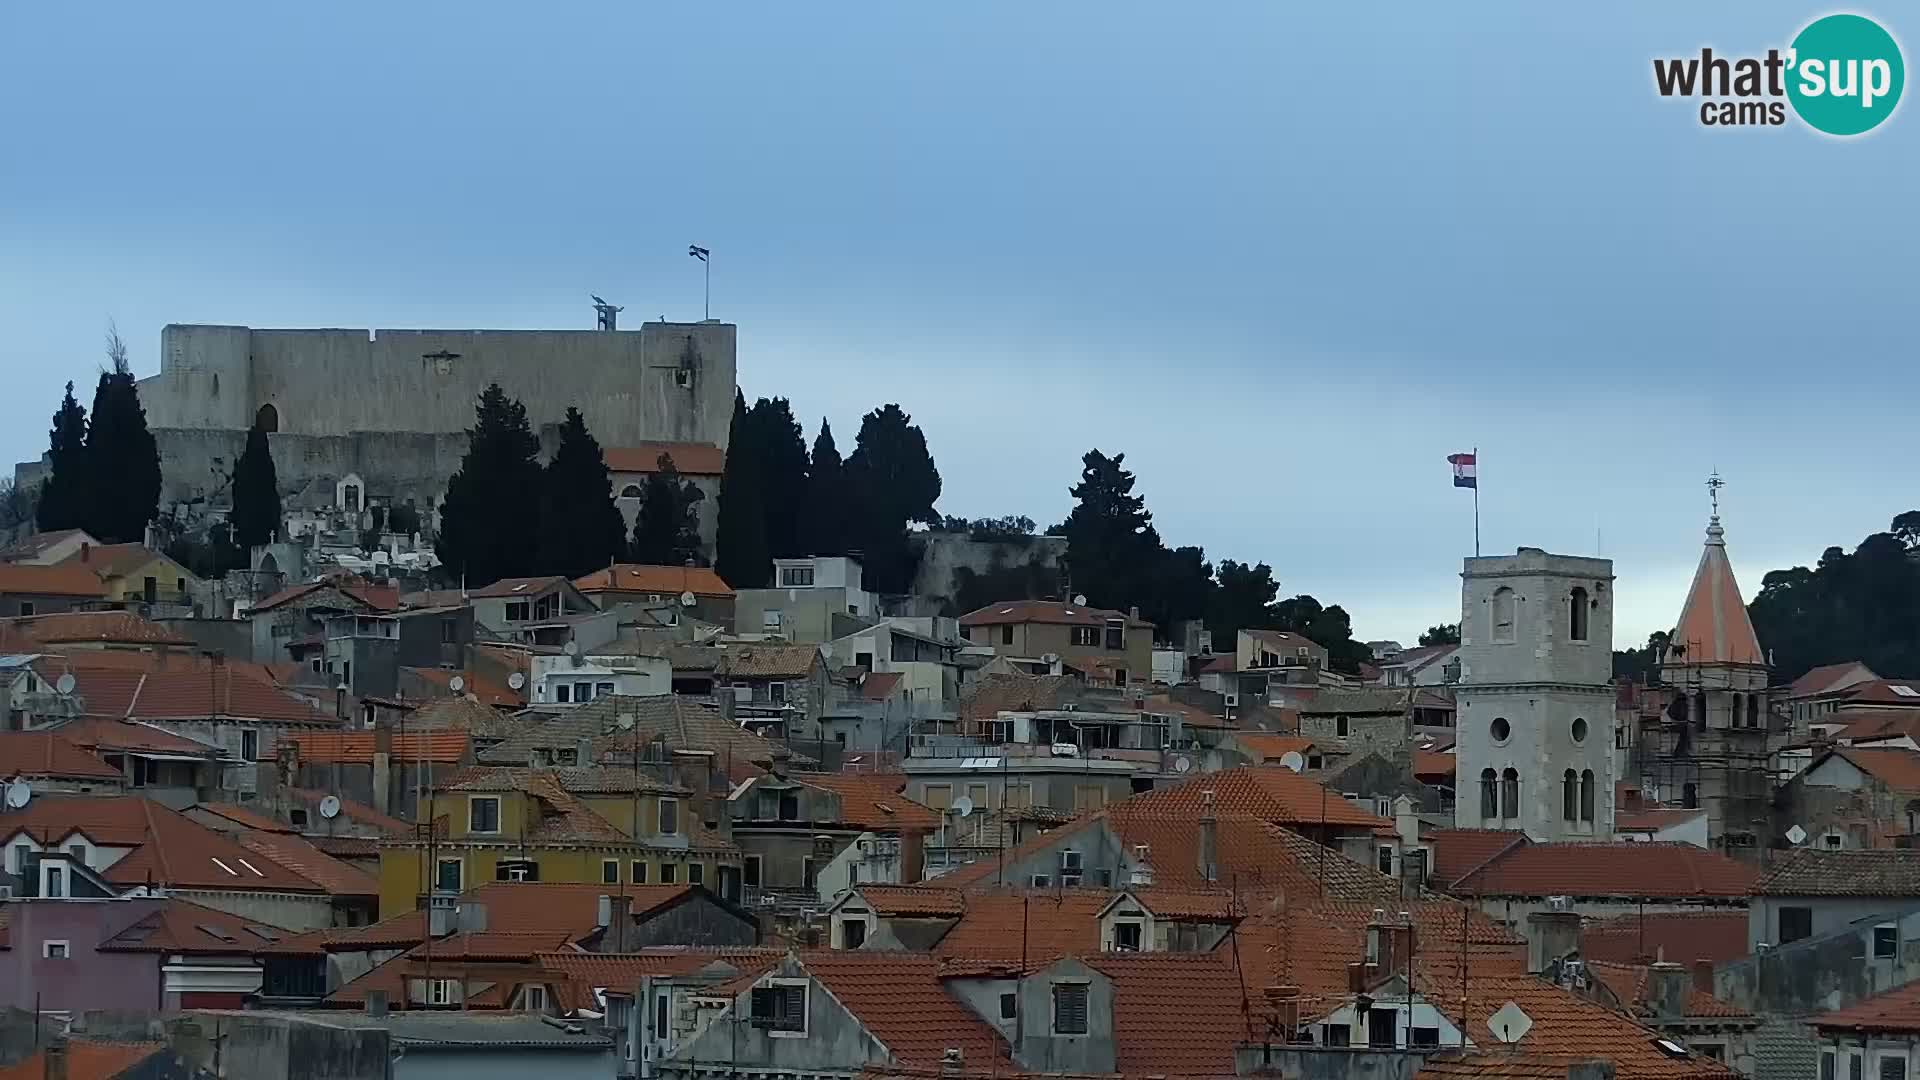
(1579, 729)
(1501, 729)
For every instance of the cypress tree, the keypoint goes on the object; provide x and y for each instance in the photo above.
(581, 529)
(740, 549)
(666, 532)
(490, 519)
(65, 495)
(121, 452)
(828, 507)
(893, 482)
(782, 450)
(256, 493)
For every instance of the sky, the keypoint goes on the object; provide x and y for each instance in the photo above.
(1286, 259)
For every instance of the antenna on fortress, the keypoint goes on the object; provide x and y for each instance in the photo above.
(607, 315)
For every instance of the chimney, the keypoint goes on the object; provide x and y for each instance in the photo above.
(1133, 614)
(1550, 936)
(1667, 987)
(86, 551)
(583, 751)
(952, 1062)
(603, 914)
(1209, 839)
(1360, 976)
(376, 1003)
(383, 768)
(1406, 823)
(1284, 1001)
(56, 1058)
(1390, 943)
(781, 756)
(1703, 976)
(619, 922)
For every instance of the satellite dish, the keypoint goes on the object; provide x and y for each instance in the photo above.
(1182, 764)
(1510, 1024)
(1796, 836)
(1292, 759)
(573, 648)
(962, 806)
(65, 683)
(457, 684)
(330, 806)
(18, 794)
(516, 680)
(1079, 599)
(687, 599)
(624, 721)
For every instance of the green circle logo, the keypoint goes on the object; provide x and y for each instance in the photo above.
(1845, 74)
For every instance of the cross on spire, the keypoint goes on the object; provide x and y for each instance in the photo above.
(1714, 484)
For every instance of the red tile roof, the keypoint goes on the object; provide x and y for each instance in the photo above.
(356, 812)
(1052, 612)
(1432, 764)
(176, 926)
(357, 747)
(484, 687)
(170, 849)
(880, 685)
(1176, 1013)
(873, 801)
(1271, 793)
(668, 581)
(50, 754)
(1648, 870)
(1653, 818)
(86, 1060)
(520, 586)
(1895, 1010)
(112, 627)
(102, 734)
(178, 694)
(1884, 692)
(1818, 680)
(361, 593)
(1268, 748)
(1457, 852)
(689, 459)
(63, 579)
(991, 695)
(760, 661)
(913, 901)
(575, 975)
(513, 907)
(1010, 923)
(240, 816)
(899, 997)
(1679, 936)
(1631, 984)
(1713, 627)
(295, 853)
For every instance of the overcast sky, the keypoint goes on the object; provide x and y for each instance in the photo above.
(1286, 258)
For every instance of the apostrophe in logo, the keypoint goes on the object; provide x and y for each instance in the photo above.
(1846, 74)
(1842, 75)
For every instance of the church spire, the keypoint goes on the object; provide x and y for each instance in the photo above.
(1713, 626)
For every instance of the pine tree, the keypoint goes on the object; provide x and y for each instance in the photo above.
(666, 531)
(122, 453)
(64, 497)
(490, 520)
(581, 529)
(782, 450)
(256, 493)
(828, 506)
(1112, 546)
(740, 549)
(893, 481)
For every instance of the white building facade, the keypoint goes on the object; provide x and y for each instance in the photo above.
(1535, 744)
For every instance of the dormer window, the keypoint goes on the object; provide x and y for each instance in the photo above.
(1069, 1008)
(780, 1009)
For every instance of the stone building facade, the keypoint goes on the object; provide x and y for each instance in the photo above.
(1536, 719)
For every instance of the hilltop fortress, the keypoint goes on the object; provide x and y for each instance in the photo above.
(392, 407)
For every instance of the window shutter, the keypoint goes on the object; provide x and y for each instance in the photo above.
(762, 1007)
(793, 1008)
(1070, 1009)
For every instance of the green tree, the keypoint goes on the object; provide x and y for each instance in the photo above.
(581, 529)
(65, 497)
(1860, 605)
(1180, 588)
(776, 439)
(1242, 600)
(1642, 664)
(1327, 626)
(490, 520)
(666, 532)
(828, 504)
(1443, 634)
(741, 557)
(894, 483)
(121, 452)
(19, 504)
(256, 493)
(1112, 546)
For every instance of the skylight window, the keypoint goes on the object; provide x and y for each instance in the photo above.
(250, 866)
(214, 931)
(1903, 690)
(263, 934)
(224, 866)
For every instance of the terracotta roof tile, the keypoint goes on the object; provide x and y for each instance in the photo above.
(1011, 923)
(1271, 793)
(991, 695)
(357, 747)
(1895, 1010)
(1631, 984)
(462, 713)
(1884, 692)
(583, 780)
(1818, 680)
(1713, 627)
(1649, 870)
(913, 901)
(678, 722)
(239, 817)
(482, 686)
(1898, 769)
(689, 459)
(1653, 818)
(1052, 612)
(356, 812)
(1433, 764)
(359, 594)
(1869, 725)
(170, 849)
(104, 734)
(873, 802)
(176, 926)
(514, 907)
(1822, 872)
(667, 581)
(50, 754)
(1679, 936)
(112, 627)
(520, 586)
(86, 1060)
(181, 693)
(63, 579)
(302, 857)
(880, 685)
(760, 661)
(900, 999)
(575, 975)
(1268, 748)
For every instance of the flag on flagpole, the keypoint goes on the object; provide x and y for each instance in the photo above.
(1463, 470)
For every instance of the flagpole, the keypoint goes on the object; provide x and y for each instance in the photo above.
(1476, 502)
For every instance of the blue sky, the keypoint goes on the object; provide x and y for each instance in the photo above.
(1286, 259)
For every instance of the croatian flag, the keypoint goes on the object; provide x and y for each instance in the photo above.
(1462, 470)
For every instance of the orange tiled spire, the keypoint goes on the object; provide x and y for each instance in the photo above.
(1713, 626)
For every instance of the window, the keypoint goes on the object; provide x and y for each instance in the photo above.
(1009, 1004)
(1086, 637)
(533, 998)
(1510, 793)
(1383, 857)
(1893, 1065)
(449, 875)
(1334, 1034)
(1340, 725)
(1577, 623)
(249, 745)
(1700, 710)
(1116, 633)
(789, 806)
(1006, 634)
(631, 491)
(853, 933)
(1424, 1036)
(526, 870)
(777, 693)
(1886, 941)
(1126, 937)
(1579, 729)
(1120, 677)
(17, 859)
(582, 692)
(55, 950)
(609, 871)
(1500, 729)
(669, 817)
(669, 873)
(1855, 1065)
(602, 689)
(562, 693)
(1586, 796)
(796, 577)
(1019, 794)
(26, 607)
(298, 816)
(518, 611)
(639, 871)
(779, 1008)
(53, 880)
(1753, 711)
(1502, 614)
(1069, 1008)
(449, 631)
(697, 873)
(483, 814)
(150, 590)
(1569, 795)
(440, 992)
(1690, 796)
(1828, 1065)
(1489, 794)
(1795, 923)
